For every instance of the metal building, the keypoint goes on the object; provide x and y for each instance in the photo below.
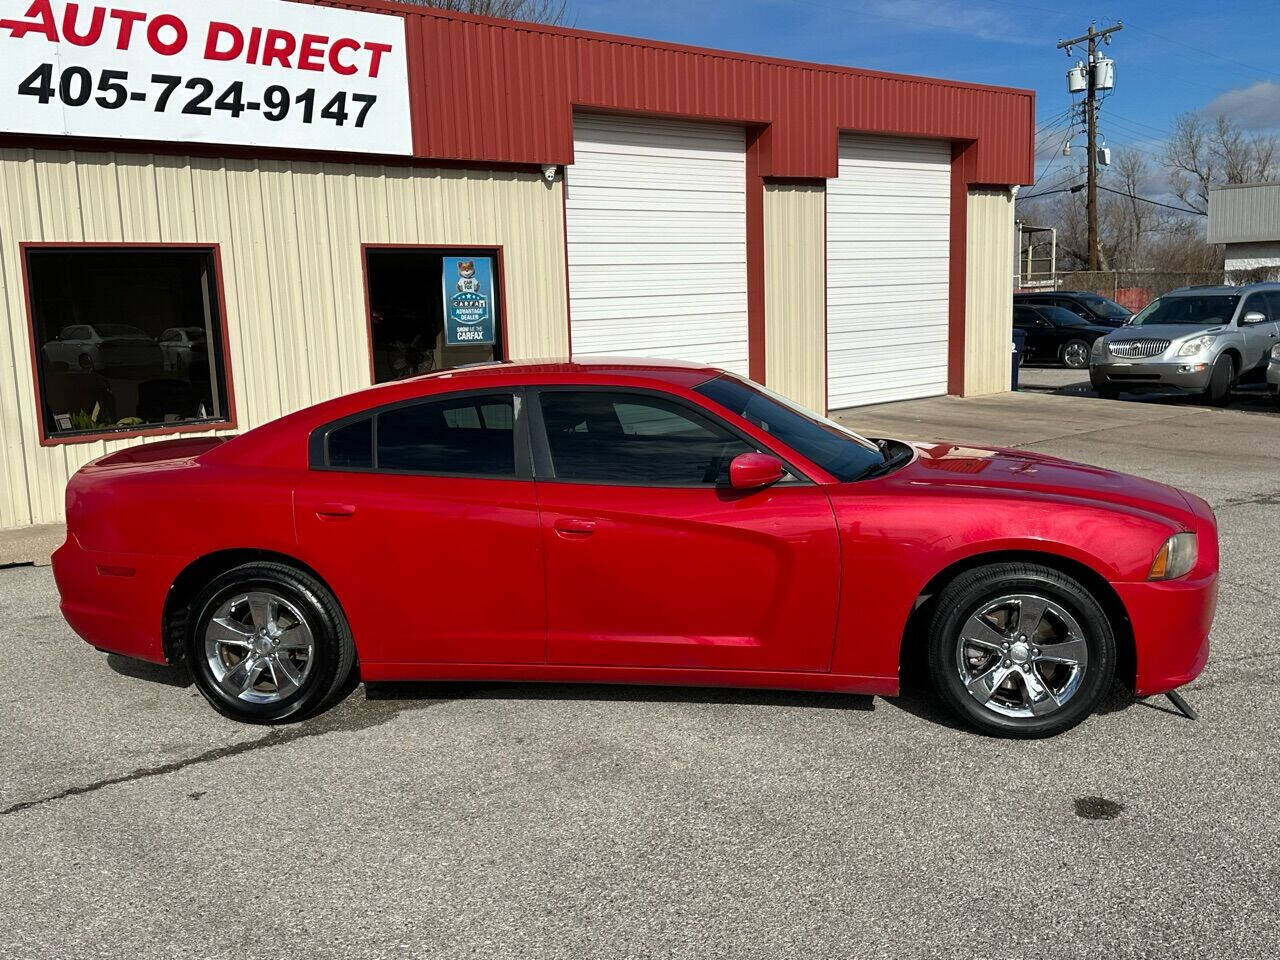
(207, 221)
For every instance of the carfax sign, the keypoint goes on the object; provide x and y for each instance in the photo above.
(468, 300)
(206, 71)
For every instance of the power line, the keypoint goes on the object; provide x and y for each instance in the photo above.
(1134, 196)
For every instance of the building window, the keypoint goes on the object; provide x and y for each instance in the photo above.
(432, 309)
(127, 339)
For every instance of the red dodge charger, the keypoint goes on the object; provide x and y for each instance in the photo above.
(619, 522)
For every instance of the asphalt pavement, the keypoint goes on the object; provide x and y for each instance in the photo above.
(515, 821)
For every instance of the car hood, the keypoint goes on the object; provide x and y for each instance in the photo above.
(1164, 331)
(1018, 472)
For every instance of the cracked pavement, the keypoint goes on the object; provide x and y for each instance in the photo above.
(489, 820)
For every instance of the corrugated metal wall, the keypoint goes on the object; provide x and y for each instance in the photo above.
(795, 284)
(290, 236)
(1244, 213)
(988, 323)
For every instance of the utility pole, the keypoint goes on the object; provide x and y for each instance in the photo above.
(1091, 114)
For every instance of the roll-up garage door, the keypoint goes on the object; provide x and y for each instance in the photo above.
(656, 219)
(888, 246)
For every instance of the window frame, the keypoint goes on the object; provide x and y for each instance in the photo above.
(544, 467)
(318, 442)
(502, 351)
(229, 422)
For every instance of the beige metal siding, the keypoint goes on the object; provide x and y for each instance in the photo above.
(795, 289)
(988, 292)
(290, 237)
(1244, 213)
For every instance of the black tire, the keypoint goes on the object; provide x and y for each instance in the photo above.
(1073, 349)
(1221, 380)
(333, 656)
(977, 589)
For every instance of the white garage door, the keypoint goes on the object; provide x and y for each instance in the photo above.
(656, 218)
(888, 240)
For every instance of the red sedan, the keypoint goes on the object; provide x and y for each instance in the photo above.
(631, 523)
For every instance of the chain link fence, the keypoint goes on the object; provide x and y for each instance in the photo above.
(1134, 289)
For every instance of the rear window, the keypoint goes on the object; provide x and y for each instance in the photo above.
(470, 435)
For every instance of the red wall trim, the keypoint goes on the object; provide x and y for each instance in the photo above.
(956, 285)
(756, 345)
(230, 423)
(496, 249)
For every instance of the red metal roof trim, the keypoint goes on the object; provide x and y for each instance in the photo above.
(504, 92)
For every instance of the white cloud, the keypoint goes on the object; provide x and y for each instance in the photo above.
(952, 16)
(1254, 108)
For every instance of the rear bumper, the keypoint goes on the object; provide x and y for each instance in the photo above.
(115, 601)
(1191, 375)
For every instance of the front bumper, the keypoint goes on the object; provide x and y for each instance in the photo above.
(1273, 375)
(1171, 623)
(1191, 374)
(115, 601)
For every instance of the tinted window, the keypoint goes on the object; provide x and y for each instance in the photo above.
(351, 447)
(1062, 318)
(1072, 306)
(1273, 297)
(1024, 317)
(635, 439)
(1205, 311)
(840, 452)
(1105, 308)
(459, 435)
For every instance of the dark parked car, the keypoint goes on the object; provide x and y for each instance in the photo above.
(1056, 335)
(1091, 307)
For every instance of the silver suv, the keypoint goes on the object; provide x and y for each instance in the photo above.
(1198, 339)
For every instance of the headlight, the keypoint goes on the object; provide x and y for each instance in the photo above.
(1275, 352)
(1100, 348)
(1192, 347)
(1176, 558)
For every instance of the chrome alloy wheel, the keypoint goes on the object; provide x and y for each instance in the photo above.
(1076, 356)
(1022, 655)
(259, 647)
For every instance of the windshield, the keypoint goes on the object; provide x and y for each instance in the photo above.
(1199, 311)
(1062, 317)
(1105, 308)
(842, 453)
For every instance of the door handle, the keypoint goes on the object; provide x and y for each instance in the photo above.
(572, 529)
(335, 511)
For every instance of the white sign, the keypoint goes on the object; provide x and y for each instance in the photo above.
(259, 72)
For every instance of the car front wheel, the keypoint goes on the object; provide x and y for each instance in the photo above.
(268, 644)
(1020, 650)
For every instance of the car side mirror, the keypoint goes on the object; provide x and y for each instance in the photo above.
(754, 471)
(1252, 317)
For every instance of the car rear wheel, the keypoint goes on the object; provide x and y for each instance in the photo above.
(268, 644)
(1075, 354)
(1020, 650)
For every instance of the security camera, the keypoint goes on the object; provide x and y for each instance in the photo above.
(549, 172)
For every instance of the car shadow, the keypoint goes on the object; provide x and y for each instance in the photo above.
(619, 693)
(1250, 398)
(176, 675)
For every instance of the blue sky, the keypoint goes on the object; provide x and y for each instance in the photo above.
(1173, 55)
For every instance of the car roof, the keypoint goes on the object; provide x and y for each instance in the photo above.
(1059, 293)
(550, 370)
(1222, 289)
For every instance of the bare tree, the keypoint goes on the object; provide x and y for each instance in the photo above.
(1201, 154)
(535, 11)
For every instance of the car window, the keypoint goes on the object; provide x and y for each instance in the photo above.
(1273, 298)
(836, 449)
(119, 330)
(468, 435)
(1256, 302)
(1104, 307)
(1063, 318)
(1024, 317)
(1072, 307)
(76, 333)
(637, 439)
(1205, 311)
(351, 447)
